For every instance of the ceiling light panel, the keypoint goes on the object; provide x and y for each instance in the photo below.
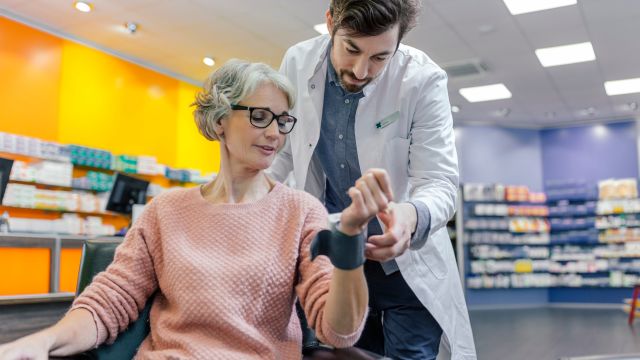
(321, 28)
(485, 93)
(517, 7)
(566, 54)
(619, 87)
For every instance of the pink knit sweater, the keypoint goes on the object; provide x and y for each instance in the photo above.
(227, 277)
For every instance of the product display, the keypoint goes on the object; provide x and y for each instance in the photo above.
(75, 181)
(574, 241)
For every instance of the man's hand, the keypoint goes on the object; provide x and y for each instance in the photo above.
(400, 222)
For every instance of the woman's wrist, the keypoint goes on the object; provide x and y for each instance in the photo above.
(348, 230)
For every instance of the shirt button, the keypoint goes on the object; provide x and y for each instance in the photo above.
(342, 166)
(340, 136)
(313, 86)
(346, 101)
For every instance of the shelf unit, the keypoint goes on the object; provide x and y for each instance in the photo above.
(576, 252)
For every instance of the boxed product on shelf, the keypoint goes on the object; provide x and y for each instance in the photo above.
(617, 221)
(177, 175)
(489, 237)
(21, 171)
(125, 163)
(85, 156)
(490, 209)
(497, 252)
(620, 235)
(487, 224)
(53, 173)
(609, 207)
(43, 172)
(516, 193)
(618, 189)
(584, 236)
(483, 192)
(69, 224)
(19, 195)
(526, 225)
(24, 145)
(564, 208)
(148, 165)
(563, 224)
(94, 180)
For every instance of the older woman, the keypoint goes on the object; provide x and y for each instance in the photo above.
(226, 261)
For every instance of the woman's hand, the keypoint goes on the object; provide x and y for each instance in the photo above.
(370, 195)
(32, 347)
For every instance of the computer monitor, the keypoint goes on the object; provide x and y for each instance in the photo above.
(126, 192)
(5, 171)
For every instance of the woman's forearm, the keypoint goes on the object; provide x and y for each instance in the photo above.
(74, 333)
(347, 300)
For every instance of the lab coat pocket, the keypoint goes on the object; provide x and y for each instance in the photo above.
(431, 256)
(396, 162)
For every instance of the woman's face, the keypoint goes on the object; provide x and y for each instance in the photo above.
(250, 147)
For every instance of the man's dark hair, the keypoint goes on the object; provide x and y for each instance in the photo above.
(373, 17)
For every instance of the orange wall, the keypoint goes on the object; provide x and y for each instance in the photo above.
(30, 64)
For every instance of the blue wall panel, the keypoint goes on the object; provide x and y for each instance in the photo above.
(591, 153)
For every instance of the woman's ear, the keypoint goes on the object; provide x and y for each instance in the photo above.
(219, 129)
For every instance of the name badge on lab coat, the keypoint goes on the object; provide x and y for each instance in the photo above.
(388, 120)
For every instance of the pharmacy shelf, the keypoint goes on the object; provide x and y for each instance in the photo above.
(52, 186)
(85, 213)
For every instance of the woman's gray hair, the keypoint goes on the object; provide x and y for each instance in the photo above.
(230, 84)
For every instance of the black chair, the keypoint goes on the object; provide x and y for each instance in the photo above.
(98, 254)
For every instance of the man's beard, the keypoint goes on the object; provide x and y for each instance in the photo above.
(351, 87)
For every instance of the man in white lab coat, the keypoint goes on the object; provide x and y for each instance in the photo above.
(367, 101)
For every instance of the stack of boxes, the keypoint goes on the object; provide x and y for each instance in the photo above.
(84, 156)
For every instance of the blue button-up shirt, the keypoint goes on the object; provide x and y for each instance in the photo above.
(338, 155)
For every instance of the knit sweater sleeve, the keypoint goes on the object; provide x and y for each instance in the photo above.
(314, 282)
(116, 296)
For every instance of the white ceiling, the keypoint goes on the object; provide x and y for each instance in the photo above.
(174, 36)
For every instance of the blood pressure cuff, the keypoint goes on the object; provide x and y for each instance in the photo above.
(345, 252)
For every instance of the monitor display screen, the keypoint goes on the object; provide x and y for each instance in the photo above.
(126, 192)
(5, 171)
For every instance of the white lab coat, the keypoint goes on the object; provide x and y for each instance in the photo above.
(417, 150)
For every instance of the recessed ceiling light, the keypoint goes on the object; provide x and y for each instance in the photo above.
(321, 28)
(566, 54)
(633, 106)
(208, 61)
(131, 27)
(504, 112)
(517, 7)
(590, 111)
(83, 6)
(485, 93)
(619, 87)
(455, 108)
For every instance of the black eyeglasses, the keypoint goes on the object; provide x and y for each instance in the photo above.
(263, 117)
